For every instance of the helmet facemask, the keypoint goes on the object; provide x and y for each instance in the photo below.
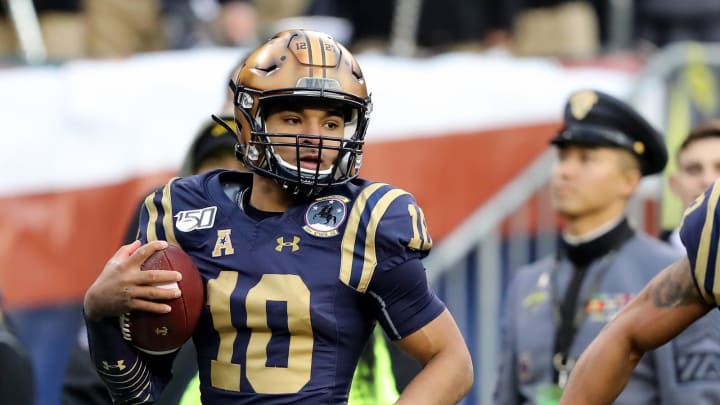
(261, 153)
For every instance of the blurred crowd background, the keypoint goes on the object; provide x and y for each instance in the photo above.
(57, 30)
(660, 55)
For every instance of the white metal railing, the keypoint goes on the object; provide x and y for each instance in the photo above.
(490, 216)
(481, 238)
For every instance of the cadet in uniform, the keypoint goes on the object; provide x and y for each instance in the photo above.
(555, 307)
(674, 304)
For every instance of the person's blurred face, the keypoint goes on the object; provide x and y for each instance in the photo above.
(587, 180)
(224, 159)
(698, 168)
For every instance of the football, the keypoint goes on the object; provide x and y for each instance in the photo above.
(164, 333)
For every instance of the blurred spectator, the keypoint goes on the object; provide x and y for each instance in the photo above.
(563, 28)
(192, 23)
(17, 384)
(441, 26)
(238, 21)
(121, 28)
(661, 22)
(61, 24)
(698, 166)
(81, 385)
(245, 22)
(556, 306)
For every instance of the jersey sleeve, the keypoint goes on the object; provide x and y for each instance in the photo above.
(700, 233)
(384, 240)
(156, 220)
(385, 228)
(403, 300)
(402, 232)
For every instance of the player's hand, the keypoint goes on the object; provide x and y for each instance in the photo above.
(238, 21)
(122, 287)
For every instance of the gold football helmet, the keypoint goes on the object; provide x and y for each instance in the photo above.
(300, 66)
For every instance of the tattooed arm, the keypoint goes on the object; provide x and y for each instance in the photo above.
(665, 307)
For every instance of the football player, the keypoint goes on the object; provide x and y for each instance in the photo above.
(300, 257)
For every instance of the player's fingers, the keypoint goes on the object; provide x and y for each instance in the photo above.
(149, 306)
(157, 277)
(158, 292)
(146, 250)
(126, 250)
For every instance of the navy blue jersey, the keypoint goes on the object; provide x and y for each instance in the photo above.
(291, 299)
(700, 233)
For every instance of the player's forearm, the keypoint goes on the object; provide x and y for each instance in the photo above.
(602, 371)
(445, 379)
(121, 368)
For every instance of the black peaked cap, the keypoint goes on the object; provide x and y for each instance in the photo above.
(595, 118)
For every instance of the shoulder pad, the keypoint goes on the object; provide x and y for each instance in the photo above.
(385, 228)
(700, 232)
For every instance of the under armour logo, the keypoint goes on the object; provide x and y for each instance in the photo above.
(163, 331)
(282, 244)
(119, 365)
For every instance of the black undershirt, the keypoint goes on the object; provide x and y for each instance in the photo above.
(581, 255)
(252, 212)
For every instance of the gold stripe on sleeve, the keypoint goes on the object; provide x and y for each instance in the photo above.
(703, 253)
(370, 259)
(150, 232)
(168, 213)
(348, 241)
(714, 195)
